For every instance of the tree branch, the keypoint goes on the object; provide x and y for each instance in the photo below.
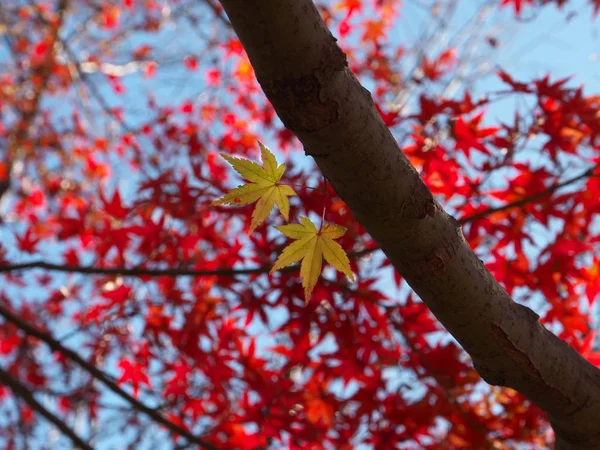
(305, 76)
(229, 272)
(23, 392)
(102, 377)
(531, 198)
(134, 272)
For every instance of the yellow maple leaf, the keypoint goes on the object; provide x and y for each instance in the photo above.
(312, 245)
(264, 187)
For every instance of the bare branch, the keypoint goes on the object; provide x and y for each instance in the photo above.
(102, 377)
(531, 198)
(24, 393)
(135, 272)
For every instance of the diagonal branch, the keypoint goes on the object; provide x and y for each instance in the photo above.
(23, 392)
(305, 76)
(102, 377)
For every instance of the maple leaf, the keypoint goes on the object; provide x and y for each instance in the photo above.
(133, 372)
(115, 207)
(374, 31)
(468, 134)
(436, 68)
(313, 245)
(27, 242)
(318, 411)
(264, 188)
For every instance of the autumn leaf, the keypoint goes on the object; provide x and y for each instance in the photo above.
(27, 242)
(319, 411)
(264, 187)
(374, 31)
(133, 372)
(312, 245)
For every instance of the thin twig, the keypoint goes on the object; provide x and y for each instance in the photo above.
(135, 272)
(531, 198)
(219, 12)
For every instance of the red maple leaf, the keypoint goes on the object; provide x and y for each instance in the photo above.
(27, 242)
(469, 135)
(133, 372)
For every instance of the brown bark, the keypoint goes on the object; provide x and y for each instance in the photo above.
(305, 76)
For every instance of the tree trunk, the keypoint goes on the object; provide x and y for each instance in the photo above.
(305, 76)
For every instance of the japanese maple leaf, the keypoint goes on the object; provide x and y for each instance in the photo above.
(469, 134)
(442, 64)
(374, 31)
(115, 207)
(515, 85)
(27, 242)
(312, 246)
(317, 411)
(264, 187)
(133, 372)
(350, 6)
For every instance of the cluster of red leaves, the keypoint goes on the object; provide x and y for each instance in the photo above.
(112, 184)
(518, 5)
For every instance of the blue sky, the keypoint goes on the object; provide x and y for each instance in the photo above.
(528, 48)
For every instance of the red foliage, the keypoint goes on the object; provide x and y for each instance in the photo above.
(111, 131)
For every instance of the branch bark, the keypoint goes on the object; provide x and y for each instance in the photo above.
(306, 77)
